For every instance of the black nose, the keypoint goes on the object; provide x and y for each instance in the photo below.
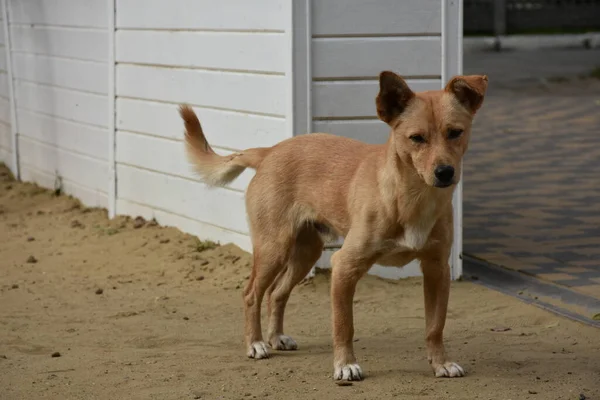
(444, 173)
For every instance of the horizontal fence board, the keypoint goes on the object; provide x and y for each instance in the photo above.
(370, 131)
(68, 135)
(376, 17)
(166, 156)
(89, 197)
(216, 206)
(367, 57)
(247, 92)
(67, 104)
(67, 73)
(88, 13)
(199, 229)
(88, 172)
(202, 14)
(61, 42)
(355, 98)
(222, 128)
(216, 50)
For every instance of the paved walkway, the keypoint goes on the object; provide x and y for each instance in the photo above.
(532, 174)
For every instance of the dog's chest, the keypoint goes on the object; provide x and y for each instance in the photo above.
(417, 232)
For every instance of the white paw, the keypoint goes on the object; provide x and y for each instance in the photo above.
(258, 350)
(283, 342)
(348, 372)
(449, 370)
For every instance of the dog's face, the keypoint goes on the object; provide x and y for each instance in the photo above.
(431, 129)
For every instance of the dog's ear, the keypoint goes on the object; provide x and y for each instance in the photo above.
(469, 90)
(394, 95)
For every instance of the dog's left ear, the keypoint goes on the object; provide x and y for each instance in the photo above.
(469, 90)
(394, 95)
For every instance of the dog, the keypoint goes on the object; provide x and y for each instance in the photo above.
(392, 203)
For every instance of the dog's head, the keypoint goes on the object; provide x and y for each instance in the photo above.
(430, 130)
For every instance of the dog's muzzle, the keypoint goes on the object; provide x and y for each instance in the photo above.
(444, 176)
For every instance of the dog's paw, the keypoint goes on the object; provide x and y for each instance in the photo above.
(283, 342)
(348, 372)
(258, 350)
(448, 370)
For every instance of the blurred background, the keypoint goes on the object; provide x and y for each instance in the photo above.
(532, 175)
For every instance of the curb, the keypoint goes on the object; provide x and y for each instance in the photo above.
(531, 42)
(566, 302)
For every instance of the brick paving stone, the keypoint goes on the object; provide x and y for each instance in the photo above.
(532, 176)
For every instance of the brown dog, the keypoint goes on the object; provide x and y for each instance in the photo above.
(392, 203)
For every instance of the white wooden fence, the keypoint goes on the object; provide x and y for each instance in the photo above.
(89, 90)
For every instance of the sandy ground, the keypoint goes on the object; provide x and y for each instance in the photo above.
(147, 312)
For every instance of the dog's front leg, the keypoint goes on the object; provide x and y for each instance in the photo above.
(436, 277)
(346, 272)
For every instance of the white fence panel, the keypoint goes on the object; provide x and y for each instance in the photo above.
(165, 156)
(241, 51)
(5, 111)
(77, 174)
(376, 17)
(337, 58)
(215, 206)
(185, 223)
(224, 128)
(228, 60)
(249, 93)
(231, 15)
(352, 41)
(74, 105)
(60, 74)
(355, 98)
(76, 13)
(65, 134)
(83, 76)
(75, 43)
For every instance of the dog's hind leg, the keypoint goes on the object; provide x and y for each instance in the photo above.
(307, 249)
(270, 257)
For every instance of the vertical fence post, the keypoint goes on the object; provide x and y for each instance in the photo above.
(499, 22)
(112, 172)
(16, 170)
(299, 73)
(452, 60)
(299, 69)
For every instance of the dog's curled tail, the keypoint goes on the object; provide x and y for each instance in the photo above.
(214, 169)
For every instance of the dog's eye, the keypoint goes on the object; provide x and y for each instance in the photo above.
(454, 133)
(417, 138)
